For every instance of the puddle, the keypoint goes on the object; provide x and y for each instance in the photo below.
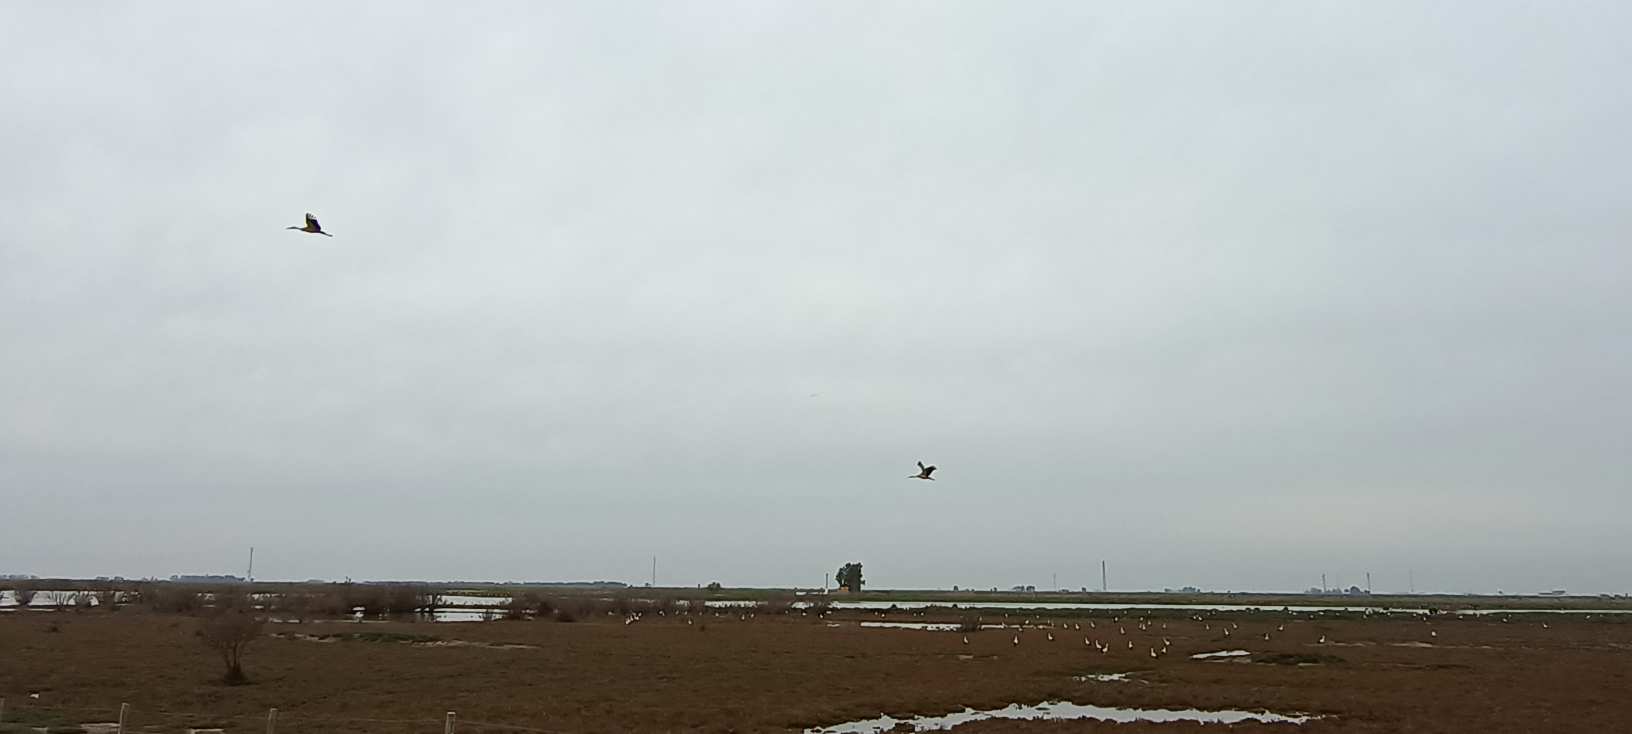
(101, 728)
(1059, 711)
(1103, 678)
(53, 598)
(468, 643)
(931, 626)
(1220, 654)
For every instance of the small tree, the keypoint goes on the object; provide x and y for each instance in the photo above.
(849, 576)
(714, 586)
(24, 594)
(229, 630)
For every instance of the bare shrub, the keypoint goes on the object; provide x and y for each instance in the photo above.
(371, 598)
(969, 623)
(24, 593)
(232, 597)
(107, 599)
(229, 631)
(518, 607)
(776, 605)
(163, 596)
(406, 598)
(431, 601)
(295, 605)
(663, 605)
(60, 600)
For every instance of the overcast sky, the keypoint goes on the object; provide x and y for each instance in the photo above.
(1228, 294)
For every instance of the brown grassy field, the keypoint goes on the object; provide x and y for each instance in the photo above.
(787, 672)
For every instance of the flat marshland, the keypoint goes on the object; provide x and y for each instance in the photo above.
(727, 671)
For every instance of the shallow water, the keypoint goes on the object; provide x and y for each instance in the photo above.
(1220, 654)
(42, 598)
(1060, 711)
(931, 626)
(1104, 678)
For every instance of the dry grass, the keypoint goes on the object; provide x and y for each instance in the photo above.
(774, 673)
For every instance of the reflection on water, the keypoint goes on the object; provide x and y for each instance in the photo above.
(1060, 711)
(1220, 654)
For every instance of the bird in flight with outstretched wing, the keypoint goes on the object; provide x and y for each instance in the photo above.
(312, 226)
(924, 472)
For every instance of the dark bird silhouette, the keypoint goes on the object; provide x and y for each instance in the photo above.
(924, 472)
(312, 226)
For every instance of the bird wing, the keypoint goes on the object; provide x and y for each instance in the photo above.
(311, 221)
(920, 466)
(928, 470)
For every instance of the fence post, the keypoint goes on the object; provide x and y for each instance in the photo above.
(272, 721)
(124, 708)
(450, 722)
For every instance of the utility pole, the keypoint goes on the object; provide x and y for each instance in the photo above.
(1323, 587)
(1056, 581)
(1104, 586)
(250, 575)
(1368, 582)
(1411, 575)
(654, 572)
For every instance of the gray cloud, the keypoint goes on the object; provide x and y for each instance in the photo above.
(1228, 296)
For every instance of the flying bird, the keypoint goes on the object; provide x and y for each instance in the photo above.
(924, 472)
(312, 226)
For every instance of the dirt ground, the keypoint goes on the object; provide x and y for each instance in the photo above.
(725, 673)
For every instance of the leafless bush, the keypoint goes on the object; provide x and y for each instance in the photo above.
(406, 598)
(170, 597)
(776, 605)
(663, 605)
(107, 599)
(60, 599)
(296, 605)
(969, 623)
(518, 607)
(23, 593)
(229, 631)
(369, 597)
(232, 597)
